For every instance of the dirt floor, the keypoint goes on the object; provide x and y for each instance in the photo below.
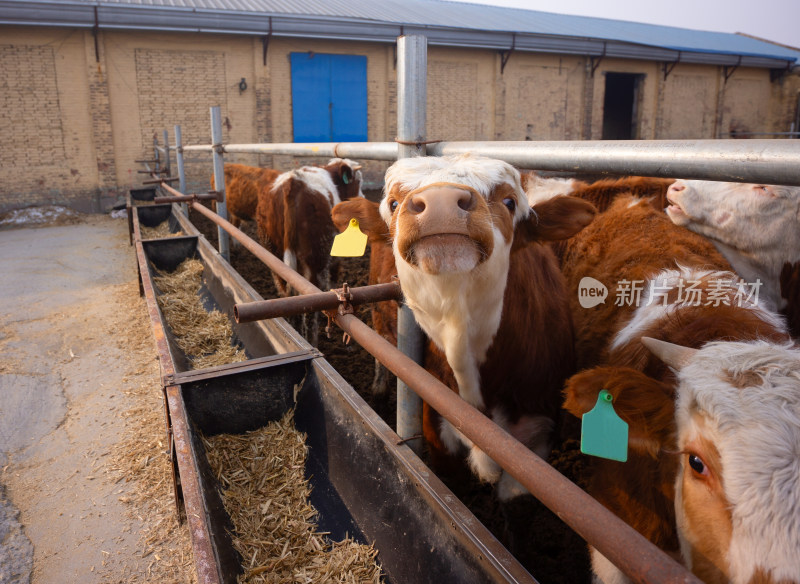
(549, 549)
(87, 494)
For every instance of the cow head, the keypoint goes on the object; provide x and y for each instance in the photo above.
(737, 502)
(457, 214)
(368, 217)
(753, 225)
(346, 175)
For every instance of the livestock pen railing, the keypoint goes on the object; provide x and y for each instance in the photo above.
(761, 161)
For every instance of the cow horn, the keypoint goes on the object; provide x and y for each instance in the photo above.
(676, 356)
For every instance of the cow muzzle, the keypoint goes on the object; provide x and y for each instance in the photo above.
(444, 228)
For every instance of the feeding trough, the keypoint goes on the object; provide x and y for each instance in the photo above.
(135, 198)
(365, 483)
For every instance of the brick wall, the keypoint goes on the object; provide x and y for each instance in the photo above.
(79, 113)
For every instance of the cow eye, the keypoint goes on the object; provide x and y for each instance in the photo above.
(510, 203)
(698, 465)
(393, 206)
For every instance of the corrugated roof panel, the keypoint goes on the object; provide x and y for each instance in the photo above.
(446, 15)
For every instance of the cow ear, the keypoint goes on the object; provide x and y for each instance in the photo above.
(559, 218)
(347, 174)
(367, 214)
(646, 404)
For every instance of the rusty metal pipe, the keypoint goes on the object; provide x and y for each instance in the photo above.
(159, 180)
(616, 540)
(187, 198)
(274, 263)
(305, 303)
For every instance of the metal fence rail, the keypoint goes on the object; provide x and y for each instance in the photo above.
(757, 161)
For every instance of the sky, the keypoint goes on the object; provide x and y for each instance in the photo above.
(774, 20)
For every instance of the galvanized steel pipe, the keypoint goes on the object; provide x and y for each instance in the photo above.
(412, 91)
(181, 170)
(219, 180)
(755, 161)
(616, 540)
(353, 150)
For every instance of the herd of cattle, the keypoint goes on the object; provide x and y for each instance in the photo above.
(687, 321)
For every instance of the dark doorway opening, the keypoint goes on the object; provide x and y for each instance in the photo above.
(621, 105)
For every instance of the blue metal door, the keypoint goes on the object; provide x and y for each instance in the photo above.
(329, 97)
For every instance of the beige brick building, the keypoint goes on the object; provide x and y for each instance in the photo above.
(80, 104)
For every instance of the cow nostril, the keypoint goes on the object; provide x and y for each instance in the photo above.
(416, 205)
(677, 187)
(466, 201)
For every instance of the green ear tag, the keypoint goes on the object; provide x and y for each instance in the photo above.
(351, 242)
(603, 432)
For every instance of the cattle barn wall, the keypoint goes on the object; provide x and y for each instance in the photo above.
(77, 115)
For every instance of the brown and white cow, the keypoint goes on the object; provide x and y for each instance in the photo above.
(755, 226)
(294, 219)
(674, 488)
(242, 187)
(471, 263)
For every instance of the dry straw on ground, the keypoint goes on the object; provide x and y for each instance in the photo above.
(266, 494)
(141, 457)
(205, 337)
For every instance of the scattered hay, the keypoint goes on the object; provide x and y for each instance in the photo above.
(266, 495)
(160, 231)
(205, 337)
(141, 456)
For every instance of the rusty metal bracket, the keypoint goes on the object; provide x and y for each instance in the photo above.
(729, 73)
(345, 298)
(596, 61)
(218, 148)
(265, 42)
(668, 67)
(95, 34)
(504, 55)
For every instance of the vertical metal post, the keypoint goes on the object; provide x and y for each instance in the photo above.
(219, 179)
(167, 159)
(412, 73)
(156, 154)
(181, 171)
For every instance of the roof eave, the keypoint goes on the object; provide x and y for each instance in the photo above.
(121, 17)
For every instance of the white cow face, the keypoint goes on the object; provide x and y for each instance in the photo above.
(447, 215)
(738, 489)
(748, 217)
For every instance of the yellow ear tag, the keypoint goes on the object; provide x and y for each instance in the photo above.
(350, 243)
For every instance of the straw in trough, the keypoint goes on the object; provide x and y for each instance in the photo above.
(205, 337)
(265, 492)
(159, 231)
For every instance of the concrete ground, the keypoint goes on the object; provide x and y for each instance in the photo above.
(67, 365)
